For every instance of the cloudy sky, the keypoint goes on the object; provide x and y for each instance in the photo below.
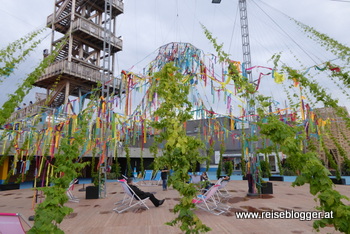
(148, 24)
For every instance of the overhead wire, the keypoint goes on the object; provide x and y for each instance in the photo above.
(307, 53)
(233, 29)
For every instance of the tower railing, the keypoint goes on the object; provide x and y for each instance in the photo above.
(118, 4)
(72, 68)
(95, 30)
(27, 111)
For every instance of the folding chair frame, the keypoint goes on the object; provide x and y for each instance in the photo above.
(130, 199)
(222, 193)
(69, 192)
(207, 201)
(147, 177)
(151, 179)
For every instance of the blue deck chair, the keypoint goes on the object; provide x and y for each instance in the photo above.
(147, 178)
(157, 178)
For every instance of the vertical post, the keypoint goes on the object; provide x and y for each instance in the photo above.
(53, 27)
(70, 48)
(66, 95)
(4, 170)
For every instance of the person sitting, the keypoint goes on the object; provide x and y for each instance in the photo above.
(206, 184)
(143, 195)
(226, 178)
(204, 176)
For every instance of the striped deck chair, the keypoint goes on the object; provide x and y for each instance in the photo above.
(69, 191)
(207, 201)
(196, 180)
(222, 191)
(130, 199)
(126, 196)
(11, 223)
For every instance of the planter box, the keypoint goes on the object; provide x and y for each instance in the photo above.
(338, 181)
(276, 178)
(266, 188)
(4, 187)
(91, 192)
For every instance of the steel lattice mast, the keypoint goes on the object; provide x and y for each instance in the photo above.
(251, 158)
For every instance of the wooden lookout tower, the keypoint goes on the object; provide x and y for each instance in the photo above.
(87, 58)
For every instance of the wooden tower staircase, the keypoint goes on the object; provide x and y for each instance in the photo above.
(79, 66)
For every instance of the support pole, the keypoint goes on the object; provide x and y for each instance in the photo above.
(106, 78)
(253, 159)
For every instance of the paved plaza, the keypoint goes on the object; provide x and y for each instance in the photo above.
(96, 215)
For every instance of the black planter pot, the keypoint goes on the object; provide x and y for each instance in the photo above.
(4, 187)
(338, 181)
(91, 192)
(276, 178)
(266, 188)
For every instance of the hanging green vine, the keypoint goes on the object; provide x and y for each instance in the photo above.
(312, 171)
(17, 97)
(15, 53)
(318, 92)
(142, 167)
(329, 43)
(180, 152)
(210, 154)
(128, 161)
(264, 165)
(222, 151)
(291, 140)
(52, 210)
(329, 156)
